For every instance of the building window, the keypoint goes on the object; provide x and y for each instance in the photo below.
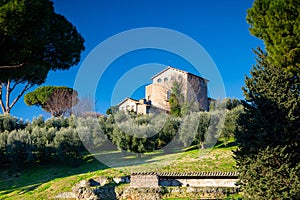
(180, 77)
(169, 92)
(166, 79)
(159, 80)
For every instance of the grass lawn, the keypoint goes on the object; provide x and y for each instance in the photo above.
(46, 180)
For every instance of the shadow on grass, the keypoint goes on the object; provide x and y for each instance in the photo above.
(14, 183)
(116, 159)
(34, 175)
(222, 145)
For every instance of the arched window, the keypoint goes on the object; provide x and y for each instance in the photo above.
(166, 79)
(169, 92)
(159, 80)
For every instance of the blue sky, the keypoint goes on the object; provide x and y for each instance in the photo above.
(218, 26)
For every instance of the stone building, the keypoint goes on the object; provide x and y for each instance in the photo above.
(193, 89)
(132, 105)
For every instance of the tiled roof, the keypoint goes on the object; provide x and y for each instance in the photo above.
(179, 70)
(144, 173)
(189, 174)
(128, 98)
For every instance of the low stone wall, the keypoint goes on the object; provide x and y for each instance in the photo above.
(150, 180)
(198, 192)
(155, 186)
(110, 192)
(141, 193)
(195, 179)
(204, 182)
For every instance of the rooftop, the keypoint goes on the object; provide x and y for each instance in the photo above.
(179, 70)
(189, 174)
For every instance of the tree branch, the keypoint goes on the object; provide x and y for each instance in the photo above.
(11, 66)
(27, 87)
(1, 100)
(7, 95)
(16, 83)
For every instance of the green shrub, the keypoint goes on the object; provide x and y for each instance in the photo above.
(19, 148)
(3, 142)
(9, 123)
(68, 146)
(43, 142)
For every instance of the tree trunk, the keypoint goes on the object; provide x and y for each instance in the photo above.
(7, 98)
(139, 155)
(201, 145)
(7, 112)
(9, 87)
(1, 100)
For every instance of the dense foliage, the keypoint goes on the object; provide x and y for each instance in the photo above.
(277, 23)
(34, 41)
(65, 139)
(269, 125)
(54, 139)
(176, 100)
(268, 134)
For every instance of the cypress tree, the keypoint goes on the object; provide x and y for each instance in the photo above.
(268, 133)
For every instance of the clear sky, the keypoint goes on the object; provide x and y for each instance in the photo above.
(218, 26)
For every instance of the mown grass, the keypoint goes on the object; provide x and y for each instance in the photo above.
(45, 181)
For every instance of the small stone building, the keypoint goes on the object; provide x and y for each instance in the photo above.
(132, 105)
(193, 179)
(193, 89)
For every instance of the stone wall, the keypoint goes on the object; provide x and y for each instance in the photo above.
(198, 182)
(150, 180)
(194, 179)
(110, 192)
(155, 186)
(197, 91)
(141, 193)
(157, 94)
(193, 88)
(198, 192)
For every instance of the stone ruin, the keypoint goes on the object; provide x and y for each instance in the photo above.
(152, 185)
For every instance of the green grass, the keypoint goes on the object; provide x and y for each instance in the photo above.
(45, 181)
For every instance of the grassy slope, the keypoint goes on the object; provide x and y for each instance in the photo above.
(47, 180)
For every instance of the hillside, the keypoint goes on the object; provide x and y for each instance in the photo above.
(45, 181)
